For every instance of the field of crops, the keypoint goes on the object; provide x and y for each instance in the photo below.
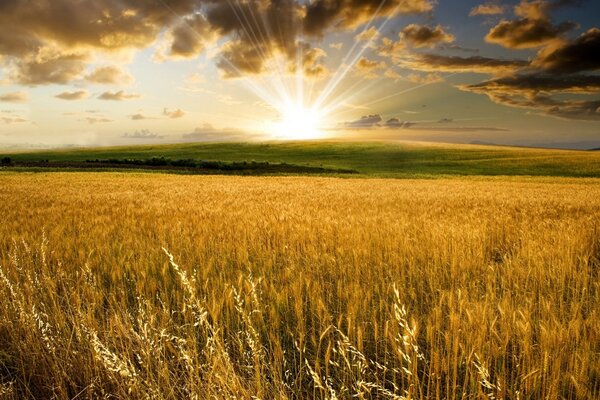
(297, 287)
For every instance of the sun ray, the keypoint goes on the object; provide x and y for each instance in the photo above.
(290, 95)
(347, 67)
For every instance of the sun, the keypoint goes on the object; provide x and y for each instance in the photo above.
(298, 122)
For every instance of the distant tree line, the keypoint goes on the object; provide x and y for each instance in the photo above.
(262, 166)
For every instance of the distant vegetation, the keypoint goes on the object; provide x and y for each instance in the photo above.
(189, 165)
(298, 288)
(398, 159)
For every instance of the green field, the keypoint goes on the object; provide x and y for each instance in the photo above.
(383, 159)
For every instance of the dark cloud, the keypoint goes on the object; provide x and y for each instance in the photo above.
(441, 63)
(102, 24)
(118, 96)
(259, 31)
(425, 36)
(395, 123)
(238, 59)
(526, 33)
(52, 42)
(47, 42)
(77, 95)
(533, 29)
(190, 36)
(375, 121)
(538, 93)
(367, 121)
(322, 15)
(581, 54)
(46, 67)
(533, 84)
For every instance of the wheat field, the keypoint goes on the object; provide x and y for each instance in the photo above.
(137, 286)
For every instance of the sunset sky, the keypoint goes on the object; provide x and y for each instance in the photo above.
(104, 72)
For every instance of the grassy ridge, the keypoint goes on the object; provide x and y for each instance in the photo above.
(399, 159)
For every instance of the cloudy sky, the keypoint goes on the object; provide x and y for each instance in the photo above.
(102, 72)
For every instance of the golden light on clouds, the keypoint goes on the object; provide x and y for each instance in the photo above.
(264, 66)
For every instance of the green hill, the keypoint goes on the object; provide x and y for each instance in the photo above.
(385, 159)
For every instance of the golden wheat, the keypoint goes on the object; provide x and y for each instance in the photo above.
(284, 288)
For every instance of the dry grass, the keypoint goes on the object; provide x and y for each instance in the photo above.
(279, 288)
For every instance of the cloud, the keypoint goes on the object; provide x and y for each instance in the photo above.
(390, 48)
(174, 114)
(257, 30)
(367, 121)
(425, 79)
(48, 67)
(104, 25)
(367, 67)
(534, 29)
(39, 48)
(531, 85)
(375, 121)
(395, 123)
(477, 64)
(238, 59)
(581, 54)
(190, 37)
(97, 120)
(109, 75)
(313, 63)
(425, 36)
(392, 74)
(138, 117)
(322, 15)
(14, 97)
(526, 33)
(487, 9)
(12, 120)
(77, 95)
(118, 96)
(367, 35)
(537, 92)
(142, 134)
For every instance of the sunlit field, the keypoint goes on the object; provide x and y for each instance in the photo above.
(298, 288)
